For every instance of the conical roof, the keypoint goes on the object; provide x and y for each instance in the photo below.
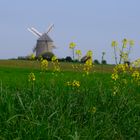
(45, 37)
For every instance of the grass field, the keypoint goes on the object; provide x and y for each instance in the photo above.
(66, 105)
(36, 65)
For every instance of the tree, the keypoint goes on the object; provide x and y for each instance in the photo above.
(68, 59)
(47, 55)
(96, 61)
(104, 62)
(103, 54)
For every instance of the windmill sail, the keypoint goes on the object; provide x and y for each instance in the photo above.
(50, 28)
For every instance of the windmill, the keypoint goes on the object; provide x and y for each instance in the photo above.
(44, 42)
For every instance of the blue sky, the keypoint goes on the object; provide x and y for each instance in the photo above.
(91, 24)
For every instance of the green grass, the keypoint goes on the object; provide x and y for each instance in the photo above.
(49, 109)
(64, 66)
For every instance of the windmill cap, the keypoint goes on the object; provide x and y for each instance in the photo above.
(45, 37)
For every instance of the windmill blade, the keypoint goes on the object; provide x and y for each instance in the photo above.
(32, 32)
(36, 31)
(50, 28)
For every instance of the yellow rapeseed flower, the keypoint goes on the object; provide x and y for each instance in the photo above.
(121, 68)
(73, 83)
(124, 56)
(124, 41)
(89, 53)
(76, 83)
(89, 62)
(44, 65)
(93, 110)
(68, 83)
(56, 64)
(31, 77)
(72, 45)
(115, 90)
(131, 43)
(88, 66)
(78, 52)
(136, 75)
(114, 76)
(31, 56)
(114, 44)
(54, 58)
(136, 63)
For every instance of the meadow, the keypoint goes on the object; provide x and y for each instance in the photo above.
(68, 104)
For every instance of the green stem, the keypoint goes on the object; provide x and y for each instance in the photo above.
(115, 55)
(73, 53)
(121, 55)
(129, 52)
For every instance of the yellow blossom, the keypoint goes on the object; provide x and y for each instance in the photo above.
(78, 53)
(115, 90)
(93, 110)
(31, 77)
(32, 57)
(121, 68)
(44, 65)
(136, 63)
(56, 64)
(114, 44)
(89, 53)
(124, 56)
(74, 83)
(130, 68)
(72, 45)
(124, 41)
(114, 76)
(54, 58)
(131, 43)
(68, 83)
(88, 66)
(136, 75)
(89, 62)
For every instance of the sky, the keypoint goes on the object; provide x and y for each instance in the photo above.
(91, 24)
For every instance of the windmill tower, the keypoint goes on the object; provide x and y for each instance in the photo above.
(44, 42)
